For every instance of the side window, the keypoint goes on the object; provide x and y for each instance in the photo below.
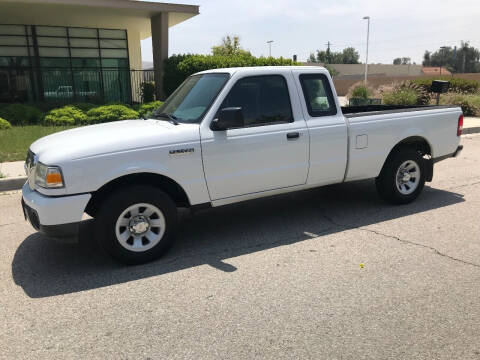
(318, 95)
(264, 100)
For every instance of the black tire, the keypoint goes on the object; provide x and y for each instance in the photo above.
(113, 207)
(386, 182)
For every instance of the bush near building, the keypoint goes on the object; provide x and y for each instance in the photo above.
(67, 115)
(20, 114)
(4, 124)
(108, 113)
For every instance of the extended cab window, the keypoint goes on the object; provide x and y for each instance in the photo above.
(318, 95)
(264, 100)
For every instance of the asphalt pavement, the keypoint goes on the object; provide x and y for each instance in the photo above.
(328, 273)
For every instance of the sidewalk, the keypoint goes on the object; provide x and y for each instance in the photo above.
(13, 174)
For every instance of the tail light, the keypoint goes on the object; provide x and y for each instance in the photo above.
(460, 125)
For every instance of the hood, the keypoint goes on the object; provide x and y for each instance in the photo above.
(107, 138)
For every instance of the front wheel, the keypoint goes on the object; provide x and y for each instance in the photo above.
(402, 177)
(136, 224)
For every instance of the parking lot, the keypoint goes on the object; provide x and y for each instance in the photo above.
(331, 273)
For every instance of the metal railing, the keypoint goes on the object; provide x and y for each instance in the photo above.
(70, 85)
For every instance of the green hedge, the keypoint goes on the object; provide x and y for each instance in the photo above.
(19, 114)
(470, 104)
(145, 110)
(400, 96)
(67, 115)
(179, 67)
(4, 124)
(457, 85)
(108, 113)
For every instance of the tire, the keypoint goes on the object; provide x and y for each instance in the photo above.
(136, 224)
(396, 189)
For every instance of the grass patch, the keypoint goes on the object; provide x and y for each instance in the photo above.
(15, 142)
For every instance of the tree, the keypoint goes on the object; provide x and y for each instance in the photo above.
(347, 56)
(465, 59)
(230, 46)
(402, 61)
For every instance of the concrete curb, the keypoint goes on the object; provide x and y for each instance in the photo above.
(14, 183)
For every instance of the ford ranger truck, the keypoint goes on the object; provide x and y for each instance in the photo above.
(224, 136)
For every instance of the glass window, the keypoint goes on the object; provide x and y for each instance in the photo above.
(51, 31)
(53, 52)
(84, 43)
(54, 62)
(113, 34)
(52, 41)
(264, 100)
(12, 29)
(115, 63)
(113, 53)
(85, 62)
(84, 52)
(194, 97)
(13, 51)
(117, 44)
(82, 32)
(13, 40)
(16, 61)
(318, 95)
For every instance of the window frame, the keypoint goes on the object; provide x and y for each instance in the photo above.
(264, 124)
(328, 92)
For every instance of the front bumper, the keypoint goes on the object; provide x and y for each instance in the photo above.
(56, 217)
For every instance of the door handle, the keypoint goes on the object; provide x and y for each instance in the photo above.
(293, 135)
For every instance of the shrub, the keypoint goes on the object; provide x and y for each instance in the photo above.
(179, 67)
(470, 104)
(84, 106)
(147, 91)
(19, 114)
(457, 85)
(144, 110)
(4, 124)
(359, 90)
(67, 115)
(400, 96)
(110, 113)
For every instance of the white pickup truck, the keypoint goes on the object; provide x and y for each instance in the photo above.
(225, 136)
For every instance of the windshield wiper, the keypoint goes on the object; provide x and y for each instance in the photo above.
(172, 118)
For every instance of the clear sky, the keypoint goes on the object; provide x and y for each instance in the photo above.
(397, 28)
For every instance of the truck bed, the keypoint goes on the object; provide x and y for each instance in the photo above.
(357, 111)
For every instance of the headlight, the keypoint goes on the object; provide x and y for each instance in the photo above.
(48, 176)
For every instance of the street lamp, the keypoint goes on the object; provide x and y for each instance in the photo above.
(442, 48)
(269, 42)
(368, 35)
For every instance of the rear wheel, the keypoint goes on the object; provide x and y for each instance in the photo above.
(402, 177)
(136, 224)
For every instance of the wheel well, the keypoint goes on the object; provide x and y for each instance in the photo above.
(417, 143)
(172, 188)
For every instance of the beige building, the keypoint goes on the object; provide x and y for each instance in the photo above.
(81, 50)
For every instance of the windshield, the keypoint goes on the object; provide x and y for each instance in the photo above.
(193, 98)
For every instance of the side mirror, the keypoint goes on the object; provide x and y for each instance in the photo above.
(228, 118)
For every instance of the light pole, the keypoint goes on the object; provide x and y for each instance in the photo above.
(269, 42)
(366, 58)
(442, 48)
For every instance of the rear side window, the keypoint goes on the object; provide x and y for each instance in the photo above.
(264, 100)
(318, 95)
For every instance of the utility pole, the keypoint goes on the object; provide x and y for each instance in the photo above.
(366, 58)
(329, 59)
(269, 42)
